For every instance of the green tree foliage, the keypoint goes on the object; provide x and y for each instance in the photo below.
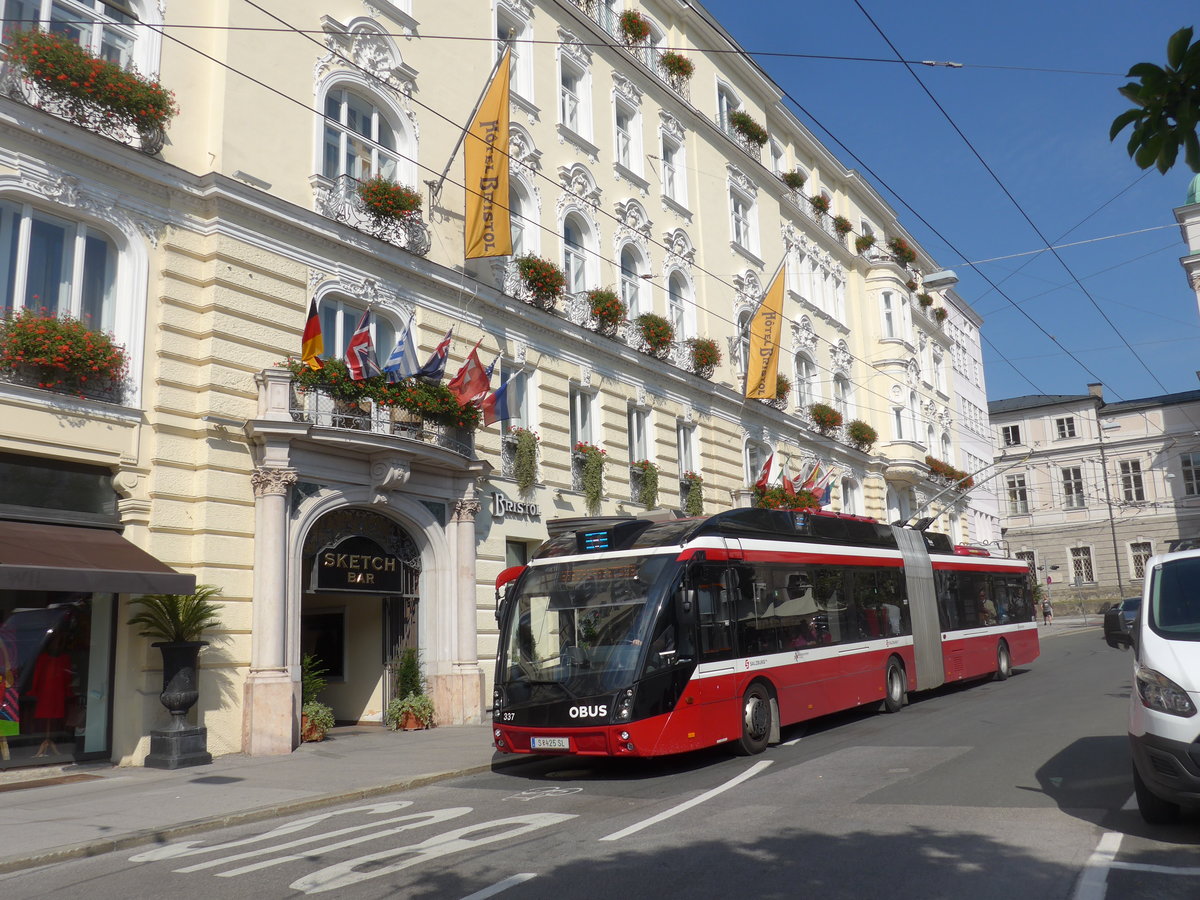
(1167, 107)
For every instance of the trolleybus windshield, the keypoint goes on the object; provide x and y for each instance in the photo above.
(582, 625)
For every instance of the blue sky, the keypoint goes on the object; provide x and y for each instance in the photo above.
(1045, 136)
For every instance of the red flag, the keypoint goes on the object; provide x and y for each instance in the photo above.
(471, 382)
(788, 484)
(769, 473)
(312, 344)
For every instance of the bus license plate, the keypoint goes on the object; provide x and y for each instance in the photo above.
(550, 743)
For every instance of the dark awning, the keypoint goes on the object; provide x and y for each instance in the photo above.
(67, 558)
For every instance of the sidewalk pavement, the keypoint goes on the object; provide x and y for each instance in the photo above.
(88, 809)
(98, 808)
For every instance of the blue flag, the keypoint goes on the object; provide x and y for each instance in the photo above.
(403, 361)
(435, 366)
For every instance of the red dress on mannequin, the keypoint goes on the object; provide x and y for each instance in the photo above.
(51, 685)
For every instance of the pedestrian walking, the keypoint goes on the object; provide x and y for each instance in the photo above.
(1047, 612)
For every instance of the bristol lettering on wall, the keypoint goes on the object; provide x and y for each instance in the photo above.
(502, 506)
(354, 564)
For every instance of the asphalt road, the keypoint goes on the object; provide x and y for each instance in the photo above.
(992, 790)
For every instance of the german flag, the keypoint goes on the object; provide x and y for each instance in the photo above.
(313, 344)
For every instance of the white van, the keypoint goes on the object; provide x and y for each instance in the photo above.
(1164, 727)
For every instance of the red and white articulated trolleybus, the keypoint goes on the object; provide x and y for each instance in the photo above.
(629, 637)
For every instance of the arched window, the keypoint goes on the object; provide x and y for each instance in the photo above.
(947, 451)
(520, 71)
(57, 265)
(361, 141)
(678, 299)
(929, 444)
(841, 395)
(743, 339)
(806, 381)
(339, 318)
(914, 416)
(631, 281)
(577, 241)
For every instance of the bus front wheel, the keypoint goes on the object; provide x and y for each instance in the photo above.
(756, 720)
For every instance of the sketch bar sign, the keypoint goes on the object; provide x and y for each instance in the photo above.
(357, 564)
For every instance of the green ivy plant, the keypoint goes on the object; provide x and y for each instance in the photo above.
(525, 457)
(694, 505)
(593, 474)
(648, 491)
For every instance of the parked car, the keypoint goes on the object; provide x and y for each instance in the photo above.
(1118, 622)
(1163, 725)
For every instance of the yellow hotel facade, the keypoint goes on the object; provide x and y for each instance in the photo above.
(349, 533)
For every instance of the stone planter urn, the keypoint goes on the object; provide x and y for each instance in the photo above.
(179, 744)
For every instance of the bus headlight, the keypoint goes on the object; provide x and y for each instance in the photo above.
(497, 698)
(624, 705)
(1158, 692)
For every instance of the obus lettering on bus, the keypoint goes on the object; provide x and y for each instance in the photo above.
(584, 712)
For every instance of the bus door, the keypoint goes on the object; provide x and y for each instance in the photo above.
(716, 674)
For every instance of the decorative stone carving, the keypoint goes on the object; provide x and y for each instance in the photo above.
(626, 89)
(740, 180)
(579, 185)
(681, 253)
(585, 375)
(632, 216)
(466, 510)
(388, 473)
(572, 47)
(804, 336)
(364, 46)
(749, 285)
(670, 126)
(272, 481)
(840, 358)
(66, 190)
(522, 150)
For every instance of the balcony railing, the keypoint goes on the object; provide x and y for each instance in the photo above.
(339, 200)
(320, 409)
(607, 17)
(109, 392)
(84, 113)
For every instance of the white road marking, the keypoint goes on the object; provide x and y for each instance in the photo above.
(1130, 804)
(695, 801)
(501, 886)
(1093, 882)
(1158, 870)
(792, 743)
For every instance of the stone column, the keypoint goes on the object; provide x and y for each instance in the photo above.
(461, 698)
(270, 717)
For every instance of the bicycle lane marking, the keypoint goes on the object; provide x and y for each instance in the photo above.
(695, 801)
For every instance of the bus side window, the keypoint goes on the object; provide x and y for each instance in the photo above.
(712, 601)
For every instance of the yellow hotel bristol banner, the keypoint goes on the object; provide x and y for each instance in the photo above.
(766, 328)
(488, 228)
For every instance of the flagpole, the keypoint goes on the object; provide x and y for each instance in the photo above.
(435, 187)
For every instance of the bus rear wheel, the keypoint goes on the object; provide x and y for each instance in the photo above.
(897, 688)
(756, 720)
(1003, 663)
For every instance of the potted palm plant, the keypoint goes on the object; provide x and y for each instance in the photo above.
(174, 622)
(315, 717)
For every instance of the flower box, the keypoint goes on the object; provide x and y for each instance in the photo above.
(676, 65)
(820, 203)
(607, 309)
(864, 242)
(842, 225)
(63, 78)
(383, 198)
(794, 179)
(901, 251)
(705, 356)
(542, 280)
(825, 418)
(657, 334)
(60, 353)
(743, 123)
(634, 26)
(861, 435)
